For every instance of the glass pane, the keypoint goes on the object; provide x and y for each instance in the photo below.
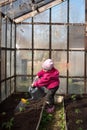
(60, 61)
(23, 62)
(41, 36)
(76, 63)
(8, 64)
(42, 17)
(76, 86)
(3, 95)
(23, 85)
(8, 87)
(8, 34)
(12, 63)
(77, 11)
(12, 85)
(59, 37)
(13, 36)
(62, 87)
(39, 57)
(28, 20)
(3, 33)
(59, 13)
(2, 65)
(76, 37)
(24, 36)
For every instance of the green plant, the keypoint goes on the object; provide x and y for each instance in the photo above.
(45, 119)
(77, 111)
(62, 118)
(80, 128)
(57, 119)
(21, 109)
(27, 102)
(79, 121)
(3, 113)
(73, 97)
(8, 124)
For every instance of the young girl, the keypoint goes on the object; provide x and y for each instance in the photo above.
(48, 77)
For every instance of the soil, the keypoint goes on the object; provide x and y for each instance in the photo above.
(76, 112)
(75, 109)
(22, 120)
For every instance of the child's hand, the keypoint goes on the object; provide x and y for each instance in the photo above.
(32, 85)
(36, 78)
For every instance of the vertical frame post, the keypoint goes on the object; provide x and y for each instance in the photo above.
(0, 53)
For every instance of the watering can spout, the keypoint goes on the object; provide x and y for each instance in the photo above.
(36, 93)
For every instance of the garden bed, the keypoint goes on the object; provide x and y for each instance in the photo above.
(76, 112)
(54, 121)
(23, 120)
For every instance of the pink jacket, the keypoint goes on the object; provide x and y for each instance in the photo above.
(49, 79)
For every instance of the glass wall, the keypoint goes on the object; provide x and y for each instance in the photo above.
(56, 33)
(7, 53)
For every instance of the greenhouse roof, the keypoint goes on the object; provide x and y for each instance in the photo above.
(19, 10)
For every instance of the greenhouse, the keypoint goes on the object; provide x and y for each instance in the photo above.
(32, 31)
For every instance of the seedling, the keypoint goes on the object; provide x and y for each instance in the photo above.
(79, 121)
(62, 118)
(80, 128)
(27, 102)
(3, 113)
(73, 97)
(77, 111)
(8, 124)
(45, 119)
(21, 109)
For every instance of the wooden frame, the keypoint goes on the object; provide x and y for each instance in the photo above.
(5, 2)
(35, 12)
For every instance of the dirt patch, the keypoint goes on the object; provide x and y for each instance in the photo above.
(76, 112)
(75, 108)
(24, 120)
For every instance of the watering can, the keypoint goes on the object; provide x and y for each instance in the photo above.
(36, 93)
